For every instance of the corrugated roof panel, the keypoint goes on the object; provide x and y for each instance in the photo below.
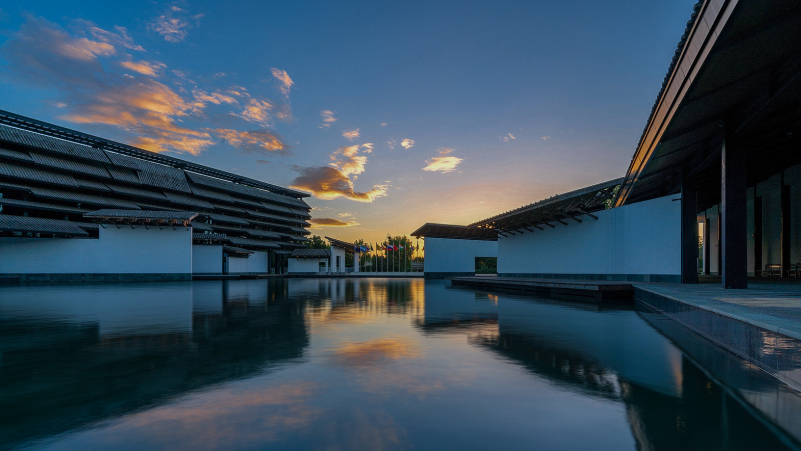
(166, 215)
(188, 200)
(69, 165)
(228, 208)
(81, 198)
(9, 223)
(31, 139)
(202, 227)
(124, 175)
(15, 155)
(250, 242)
(225, 218)
(34, 174)
(91, 184)
(202, 192)
(123, 160)
(138, 192)
(27, 204)
(163, 176)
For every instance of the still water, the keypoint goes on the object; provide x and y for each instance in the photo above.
(374, 364)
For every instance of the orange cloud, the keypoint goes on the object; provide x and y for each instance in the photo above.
(335, 181)
(328, 118)
(101, 85)
(283, 78)
(144, 67)
(253, 141)
(407, 143)
(351, 134)
(318, 223)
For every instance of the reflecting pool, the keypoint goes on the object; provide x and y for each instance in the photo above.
(375, 364)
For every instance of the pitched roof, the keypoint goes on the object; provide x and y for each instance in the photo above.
(141, 214)
(432, 230)
(311, 253)
(9, 223)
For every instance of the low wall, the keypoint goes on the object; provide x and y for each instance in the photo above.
(455, 258)
(637, 242)
(118, 254)
(207, 259)
(255, 264)
(304, 265)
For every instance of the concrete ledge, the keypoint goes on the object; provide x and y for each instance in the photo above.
(766, 345)
(600, 290)
(666, 278)
(99, 277)
(445, 275)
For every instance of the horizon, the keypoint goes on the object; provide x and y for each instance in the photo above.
(391, 118)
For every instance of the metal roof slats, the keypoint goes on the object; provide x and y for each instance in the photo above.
(182, 199)
(92, 184)
(40, 206)
(261, 233)
(9, 223)
(36, 140)
(147, 206)
(162, 215)
(14, 186)
(301, 213)
(236, 250)
(252, 243)
(163, 176)
(35, 174)
(209, 194)
(258, 214)
(227, 208)
(298, 229)
(237, 188)
(81, 198)
(311, 253)
(122, 160)
(15, 155)
(124, 175)
(69, 165)
(207, 236)
(226, 218)
(138, 192)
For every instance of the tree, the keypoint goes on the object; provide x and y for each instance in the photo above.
(317, 243)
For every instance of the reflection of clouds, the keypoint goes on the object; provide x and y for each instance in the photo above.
(375, 430)
(224, 419)
(412, 381)
(376, 352)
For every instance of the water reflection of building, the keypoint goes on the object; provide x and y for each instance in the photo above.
(76, 355)
(671, 401)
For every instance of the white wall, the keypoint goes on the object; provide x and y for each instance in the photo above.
(123, 250)
(206, 259)
(448, 257)
(304, 265)
(637, 239)
(256, 263)
(337, 252)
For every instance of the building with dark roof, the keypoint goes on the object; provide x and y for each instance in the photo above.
(57, 183)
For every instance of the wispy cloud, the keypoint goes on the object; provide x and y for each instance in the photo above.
(443, 163)
(283, 78)
(258, 141)
(152, 69)
(328, 118)
(391, 144)
(383, 124)
(174, 24)
(96, 82)
(546, 138)
(351, 134)
(338, 178)
(368, 147)
(508, 137)
(318, 223)
(407, 143)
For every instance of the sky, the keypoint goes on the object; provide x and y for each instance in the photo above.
(390, 114)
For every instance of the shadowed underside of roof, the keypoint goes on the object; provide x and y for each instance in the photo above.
(432, 230)
(559, 208)
(136, 215)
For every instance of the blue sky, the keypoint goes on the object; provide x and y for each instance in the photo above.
(436, 111)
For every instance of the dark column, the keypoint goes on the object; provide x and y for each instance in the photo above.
(786, 207)
(734, 216)
(689, 230)
(707, 246)
(757, 234)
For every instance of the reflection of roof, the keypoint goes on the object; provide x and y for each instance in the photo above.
(554, 209)
(311, 253)
(9, 223)
(135, 215)
(431, 230)
(348, 247)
